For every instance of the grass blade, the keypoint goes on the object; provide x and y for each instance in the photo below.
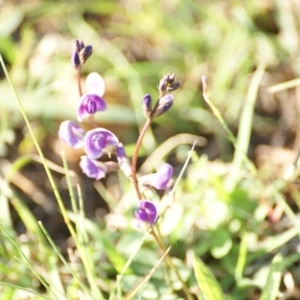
(146, 278)
(209, 287)
(271, 288)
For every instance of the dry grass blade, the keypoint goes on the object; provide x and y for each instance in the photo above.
(146, 278)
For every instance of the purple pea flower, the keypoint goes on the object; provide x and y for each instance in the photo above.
(91, 102)
(92, 168)
(98, 141)
(71, 133)
(146, 212)
(158, 180)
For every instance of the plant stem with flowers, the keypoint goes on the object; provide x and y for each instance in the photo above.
(99, 141)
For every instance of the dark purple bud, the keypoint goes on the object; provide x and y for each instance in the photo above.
(93, 168)
(71, 133)
(75, 60)
(162, 87)
(99, 141)
(123, 161)
(164, 104)
(168, 84)
(174, 86)
(78, 45)
(171, 78)
(85, 53)
(147, 107)
(146, 212)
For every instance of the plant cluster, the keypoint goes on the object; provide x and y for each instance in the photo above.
(99, 141)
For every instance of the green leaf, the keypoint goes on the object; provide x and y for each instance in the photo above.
(209, 287)
(271, 288)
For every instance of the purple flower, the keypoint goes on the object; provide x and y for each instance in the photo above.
(71, 133)
(91, 102)
(158, 180)
(92, 168)
(98, 141)
(146, 212)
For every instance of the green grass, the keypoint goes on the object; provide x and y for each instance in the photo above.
(230, 227)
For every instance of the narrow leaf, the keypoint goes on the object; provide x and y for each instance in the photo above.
(209, 287)
(271, 288)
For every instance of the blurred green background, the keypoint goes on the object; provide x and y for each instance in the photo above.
(134, 44)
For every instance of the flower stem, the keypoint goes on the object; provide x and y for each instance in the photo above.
(138, 146)
(92, 120)
(78, 75)
(135, 157)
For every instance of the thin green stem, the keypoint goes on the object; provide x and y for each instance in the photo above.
(39, 150)
(246, 120)
(230, 135)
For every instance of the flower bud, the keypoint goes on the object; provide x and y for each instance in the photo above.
(146, 212)
(147, 107)
(164, 104)
(75, 60)
(167, 84)
(78, 45)
(171, 78)
(85, 53)
(162, 87)
(174, 86)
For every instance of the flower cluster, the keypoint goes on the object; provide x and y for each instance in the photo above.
(99, 141)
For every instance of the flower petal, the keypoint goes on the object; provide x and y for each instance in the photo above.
(92, 168)
(89, 104)
(162, 177)
(99, 140)
(158, 180)
(146, 212)
(71, 133)
(95, 84)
